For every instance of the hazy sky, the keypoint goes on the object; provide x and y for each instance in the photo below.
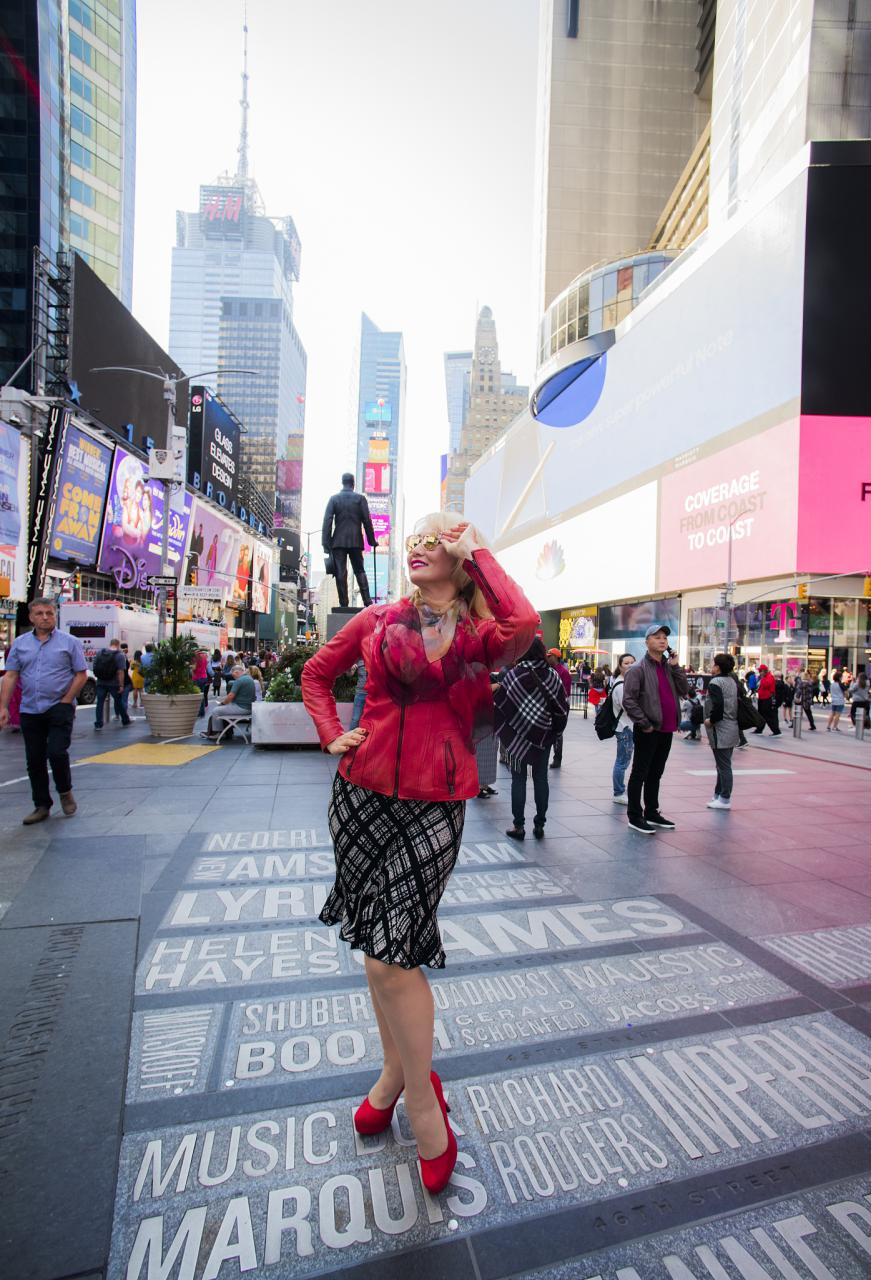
(399, 136)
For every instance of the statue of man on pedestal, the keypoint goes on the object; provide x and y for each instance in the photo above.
(345, 519)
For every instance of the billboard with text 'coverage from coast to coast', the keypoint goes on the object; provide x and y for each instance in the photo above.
(749, 492)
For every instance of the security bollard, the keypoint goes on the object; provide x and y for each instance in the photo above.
(797, 717)
(860, 723)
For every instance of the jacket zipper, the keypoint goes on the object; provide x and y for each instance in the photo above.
(450, 767)
(399, 752)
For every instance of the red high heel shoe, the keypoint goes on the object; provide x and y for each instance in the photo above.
(436, 1173)
(369, 1120)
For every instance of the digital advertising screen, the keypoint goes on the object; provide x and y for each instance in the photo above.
(214, 448)
(133, 528)
(14, 474)
(378, 413)
(84, 478)
(746, 495)
(376, 477)
(214, 553)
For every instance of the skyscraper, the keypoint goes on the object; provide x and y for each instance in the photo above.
(380, 445)
(458, 373)
(624, 94)
(67, 151)
(231, 307)
(494, 401)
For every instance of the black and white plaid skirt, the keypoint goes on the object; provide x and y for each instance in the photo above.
(393, 860)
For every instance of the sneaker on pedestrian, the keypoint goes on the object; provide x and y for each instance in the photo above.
(719, 803)
(621, 799)
(641, 825)
(68, 803)
(538, 831)
(516, 833)
(97, 728)
(39, 815)
(657, 820)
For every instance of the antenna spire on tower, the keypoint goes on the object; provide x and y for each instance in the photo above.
(242, 158)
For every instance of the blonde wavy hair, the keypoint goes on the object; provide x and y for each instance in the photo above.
(438, 522)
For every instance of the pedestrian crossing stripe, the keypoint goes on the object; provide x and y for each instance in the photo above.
(151, 753)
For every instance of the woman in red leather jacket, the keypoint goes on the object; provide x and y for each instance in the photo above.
(398, 800)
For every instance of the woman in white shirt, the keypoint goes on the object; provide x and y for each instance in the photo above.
(624, 731)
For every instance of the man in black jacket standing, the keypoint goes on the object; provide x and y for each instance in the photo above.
(345, 519)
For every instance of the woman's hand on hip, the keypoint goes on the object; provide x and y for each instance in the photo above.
(345, 741)
(458, 541)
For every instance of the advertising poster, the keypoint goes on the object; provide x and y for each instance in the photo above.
(215, 451)
(14, 471)
(378, 413)
(834, 536)
(376, 478)
(213, 550)
(133, 528)
(238, 597)
(747, 493)
(84, 478)
(261, 578)
(379, 449)
(379, 510)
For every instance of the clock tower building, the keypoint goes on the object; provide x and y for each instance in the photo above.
(495, 400)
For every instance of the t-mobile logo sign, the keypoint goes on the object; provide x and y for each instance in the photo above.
(784, 617)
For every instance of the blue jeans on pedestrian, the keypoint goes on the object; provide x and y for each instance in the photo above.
(624, 755)
(357, 711)
(119, 701)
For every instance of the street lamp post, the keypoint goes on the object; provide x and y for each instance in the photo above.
(169, 394)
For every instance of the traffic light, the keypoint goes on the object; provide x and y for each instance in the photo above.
(802, 591)
(866, 590)
(77, 587)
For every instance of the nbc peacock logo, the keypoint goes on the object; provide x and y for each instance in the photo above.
(551, 561)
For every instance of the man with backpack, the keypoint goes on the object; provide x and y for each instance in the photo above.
(652, 691)
(110, 670)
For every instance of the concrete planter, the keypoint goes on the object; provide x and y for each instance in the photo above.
(171, 715)
(288, 724)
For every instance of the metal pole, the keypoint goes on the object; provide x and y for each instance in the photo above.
(861, 713)
(797, 716)
(169, 397)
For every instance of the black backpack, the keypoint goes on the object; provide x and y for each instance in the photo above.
(606, 721)
(105, 665)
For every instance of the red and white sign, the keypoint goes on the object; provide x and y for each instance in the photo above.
(749, 493)
(376, 477)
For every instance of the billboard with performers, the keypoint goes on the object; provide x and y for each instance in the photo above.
(14, 472)
(133, 528)
(86, 464)
(376, 477)
(261, 578)
(224, 555)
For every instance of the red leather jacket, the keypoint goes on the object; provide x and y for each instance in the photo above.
(415, 752)
(766, 687)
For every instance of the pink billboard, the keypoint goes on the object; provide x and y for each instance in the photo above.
(834, 491)
(747, 492)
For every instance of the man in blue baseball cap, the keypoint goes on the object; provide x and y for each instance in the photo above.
(652, 689)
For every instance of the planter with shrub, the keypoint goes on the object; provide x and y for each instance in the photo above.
(281, 720)
(171, 699)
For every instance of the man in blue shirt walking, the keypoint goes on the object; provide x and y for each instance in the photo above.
(51, 667)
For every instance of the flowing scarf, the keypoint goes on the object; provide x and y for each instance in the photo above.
(422, 656)
(531, 708)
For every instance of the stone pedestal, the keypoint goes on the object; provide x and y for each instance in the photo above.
(337, 618)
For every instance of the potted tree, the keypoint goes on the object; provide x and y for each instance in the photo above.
(281, 719)
(171, 699)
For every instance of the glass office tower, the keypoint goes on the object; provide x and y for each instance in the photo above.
(67, 150)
